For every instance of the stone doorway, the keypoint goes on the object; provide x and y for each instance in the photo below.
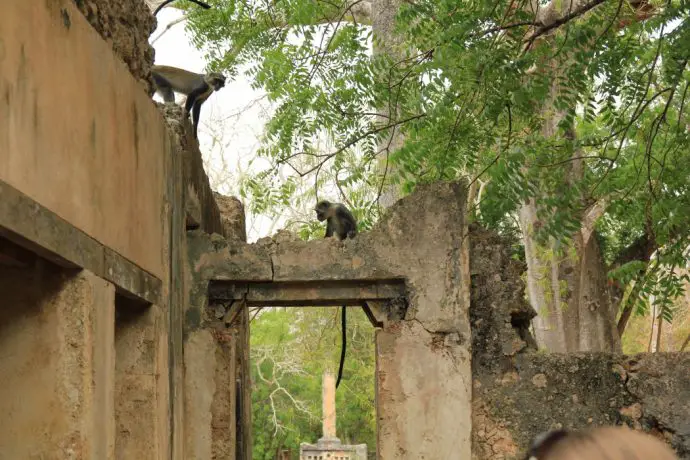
(409, 274)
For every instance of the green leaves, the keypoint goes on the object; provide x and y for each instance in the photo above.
(594, 109)
(290, 349)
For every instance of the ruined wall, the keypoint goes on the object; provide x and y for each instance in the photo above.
(136, 382)
(231, 217)
(212, 386)
(94, 157)
(518, 393)
(423, 365)
(126, 26)
(90, 180)
(56, 363)
(217, 378)
(200, 204)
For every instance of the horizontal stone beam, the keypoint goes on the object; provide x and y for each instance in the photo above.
(321, 293)
(26, 223)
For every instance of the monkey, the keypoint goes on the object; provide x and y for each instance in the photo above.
(197, 87)
(342, 223)
(340, 220)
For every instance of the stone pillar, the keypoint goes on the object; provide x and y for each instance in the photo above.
(329, 445)
(328, 401)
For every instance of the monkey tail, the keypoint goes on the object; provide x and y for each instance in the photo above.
(342, 350)
(204, 5)
(160, 7)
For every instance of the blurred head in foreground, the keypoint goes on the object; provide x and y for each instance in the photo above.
(605, 443)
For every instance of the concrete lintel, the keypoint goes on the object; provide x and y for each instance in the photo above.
(213, 258)
(317, 293)
(130, 278)
(30, 225)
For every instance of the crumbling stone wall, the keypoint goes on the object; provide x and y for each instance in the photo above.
(231, 217)
(499, 314)
(650, 392)
(55, 362)
(126, 25)
(200, 203)
(518, 393)
(423, 375)
(217, 391)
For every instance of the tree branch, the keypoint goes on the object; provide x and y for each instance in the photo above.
(550, 21)
(590, 218)
(352, 142)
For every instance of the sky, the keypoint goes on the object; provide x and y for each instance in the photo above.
(236, 115)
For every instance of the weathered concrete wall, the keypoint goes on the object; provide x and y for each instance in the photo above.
(126, 26)
(85, 140)
(423, 360)
(89, 178)
(136, 382)
(217, 379)
(56, 364)
(518, 394)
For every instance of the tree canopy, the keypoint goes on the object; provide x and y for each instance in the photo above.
(574, 103)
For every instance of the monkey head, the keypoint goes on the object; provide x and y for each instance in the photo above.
(215, 79)
(322, 209)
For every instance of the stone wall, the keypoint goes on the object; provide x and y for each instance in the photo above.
(212, 386)
(217, 378)
(518, 393)
(423, 376)
(94, 157)
(231, 217)
(56, 363)
(126, 26)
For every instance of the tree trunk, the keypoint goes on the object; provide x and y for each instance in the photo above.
(628, 302)
(685, 344)
(569, 292)
(659, 329)
(387, 42)
(574, 308)
(548, 324)
(651, 348)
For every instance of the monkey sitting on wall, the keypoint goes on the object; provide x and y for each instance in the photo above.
(197, 87)
(339, 220)
(342, 224)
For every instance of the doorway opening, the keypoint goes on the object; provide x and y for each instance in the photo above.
(296, 338)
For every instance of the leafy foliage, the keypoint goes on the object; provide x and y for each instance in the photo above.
(290, 349)
(585, 108)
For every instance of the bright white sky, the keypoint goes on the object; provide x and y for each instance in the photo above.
(236, 115)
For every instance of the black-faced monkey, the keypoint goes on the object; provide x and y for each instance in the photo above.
(342, 224)
(340, 221)
(197, 87)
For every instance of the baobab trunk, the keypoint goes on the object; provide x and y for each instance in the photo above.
(387, 42)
